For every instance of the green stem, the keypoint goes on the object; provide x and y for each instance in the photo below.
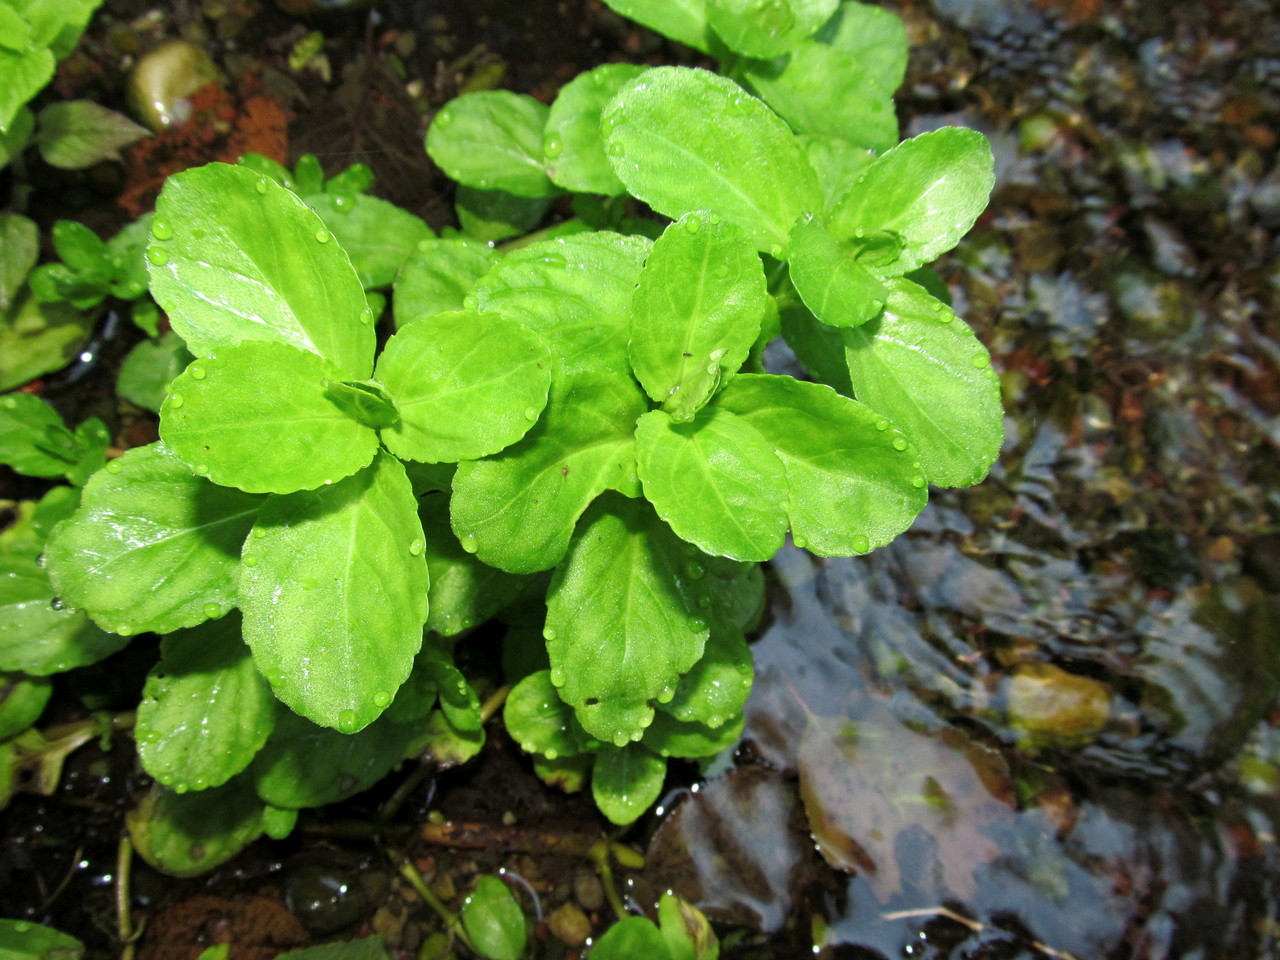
(451, 921)
(601, 854)
(494, 703)
(124, 922)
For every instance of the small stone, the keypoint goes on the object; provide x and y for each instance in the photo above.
(1049, 707)
(588, 891)
(569, 925)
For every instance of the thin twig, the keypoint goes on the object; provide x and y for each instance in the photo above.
(451, 921)
(972, 924)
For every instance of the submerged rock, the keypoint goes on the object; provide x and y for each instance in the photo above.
(163, 81)
(1049, 707)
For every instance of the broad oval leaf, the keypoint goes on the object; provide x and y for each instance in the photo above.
(74, 134)
(574, 292)
(205, 711)
(716, 481)
(538, 720)
(187, 834)
(258, 417)
(377, 236)
(492, 140)
(22, 75)
(876, 37)
(682, 20)
(669, 737)
(622, 619)
(573, 146)
(494, 921)
(926, 192)
(683, 139)
(923, 368)
(696, 311)
(467, 385)
(152, 547)
(767, 28)
(855, 481)
(334, 594)
(149, 368)
(837, 162)
(22, 701)
(833, 284)
(244, 259)
(23, 940)
(626, 781)
(34, 440)
(716, 689)
(629, 938)
(685, 929)
(437, 278)
(517, 509)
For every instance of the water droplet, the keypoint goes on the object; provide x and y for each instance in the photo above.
(557, 677)
(341, 203)
(615, 149)
(416, 548)
(444, 118)
(157, 256)
(470, 302)
(697, 624)
(249, 561)
(551, 754)
(714, 218)
(549, 633)
(259, 533)
(179, 788)
(381, 699)
(322, 236)
(620, 739)
(261, 185)
(160, 229)
(197, 372)
(470, 543)
(114, 468)
(346, 720)
(638, 735)
(202, 468)
(610, 123)
(693, 224)
(212, 610)
(860, 232)
(800, 542)
(861, 544)
(776, 251)
(899, 444)
(175, 400)
(552, 146)
(695, 570)
(531, 414)
(882, 425)
(918, 482)
(57, 603)
(981, 360)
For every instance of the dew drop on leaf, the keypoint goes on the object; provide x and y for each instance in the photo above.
(704, 601)
(175, 400)
(882, 425)
(57, 604)
(549, 633)
(444, 118)
(157, 256)
(861, 544)
(980, 361)
(553, 146)
(197, 372)
(620, 739)
(693, 224)
(800, 542)
(381, 699)
(249, 561)
(697, 624)
(531, 414)
(470, 543)
(557, 677)
(615, 150)
(366, 316)
(113, 468)
(322, 236)
(212, 610)
(160, 229)
(261, 186)
(899, 444)
(346, 720)
(695, 570)
(259, 533)
(416, 548)
(341, 203)
(918, 482)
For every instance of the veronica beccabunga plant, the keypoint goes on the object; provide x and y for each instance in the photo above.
(584, 413)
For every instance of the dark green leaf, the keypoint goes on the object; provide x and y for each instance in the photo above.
(670, 737)
(74, 134)
(818, 347)
(370, 948)
(22, 700)
(187, 834)
(716, 689)
(492, 140)
(36, 338)
(149, 368)
(20, 940)
(494, 921)
(19, 248)
(488, 216)
(626, 781)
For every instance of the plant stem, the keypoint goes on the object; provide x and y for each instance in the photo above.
(451, 921)
(600, 852)
(494, 703)
(124, 871)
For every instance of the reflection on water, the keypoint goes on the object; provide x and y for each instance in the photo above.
(1043, 723)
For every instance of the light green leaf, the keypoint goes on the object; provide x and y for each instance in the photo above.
(58, 23)
(626, 781)
(540, 721)
(467, 385)
(767, 28)
(572, 143)
(368, 948)
(205, 711)
(819, 89)
(565, 773)
(682, 20)
(622, 621)
(685, 140)
(15, 139)
(716, 481)
(923, 368)
(833, 284)
(716, 689)
(34, 440)
(22, 700)
(630, 937)
(736, 591)
(837, 162)
(437, 278)
(686, 931)
(517, 509)
(487, 216)
(874, 36)
(19, 249)
(458, 700)
(237, 257)
(575, 292)
(21, 940)
(669, 737)
(818, 346)
(149, 369)
(257, 416)
(37, 338)
(494, 921)
(92, 439)
(696, 312)
(925, 193)
(378, 236)
(306, 765)
(334, 594)
(438, 741)
(187, 834)
(23, 74)
(74, 134)
(152, 547)
(855, 481)
(492, 140)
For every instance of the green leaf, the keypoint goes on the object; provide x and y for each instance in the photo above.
(36, 338)
(682, 20)
(818, 89)
(716, 481)
(205, 711)
(926, 192)
(685, 140)
(21, 940)
(438, 741)
(467, 385)
(855, 481)
(257, 416)
(378, 236)
(540, 721)
(364, 400)
(767, 28)
(58, 24)
(149, 369)
(716, 689)
(492, 140)
(369, 948)
(575, 292)
(572, 143)
(92, 439)
(696, 312)
(837, 162)
(334, 594)
(23, 74)
(736, 591)
(631, 937)
(22, 700)
(669, 737)
(488, 216)
(19, 249)
(305, 765)
(277, 822)
(152, 547)
(437, 278)
(15, 139)
(457, 700)
(833, 284)
(236, 257)
(622, 621)
(517, 510)
(626, 781)
(74, 134)
(565, 773)
(494, 921)
(924, 369)
(874, 36)
(686, 931)
(187, 834)
(34, 439)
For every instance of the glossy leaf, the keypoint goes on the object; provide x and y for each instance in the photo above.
(23, 73)
(258, 417)
(22, 700)
(669, 737)
(696, 312)
(837, 162)
(367, 948)
(187, 834)
(818, 346)
(36, 338)
(626, 781)
(685, 140)
(439, 742)
(152, 547)
(572, 143)
(622, 621)
(629, 938)
(517, 509)
(926, 193)
(716, 689)
(574, 292)
(686, 931)
(767, 28)
(494, 921)
(492, 140)
(682, 20)
(924, 369)
(149, 368)
(716, 481)
(538, 720)
(466, 384)
(488, 216)
(334, 594)
(19, 249)
(205, 711)
(378, 236)
(458, 700)
(242, 258)
(437, 278)
(874, 36)
(74, 134)
(34, 440)
(22, 940)
(833, 284)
